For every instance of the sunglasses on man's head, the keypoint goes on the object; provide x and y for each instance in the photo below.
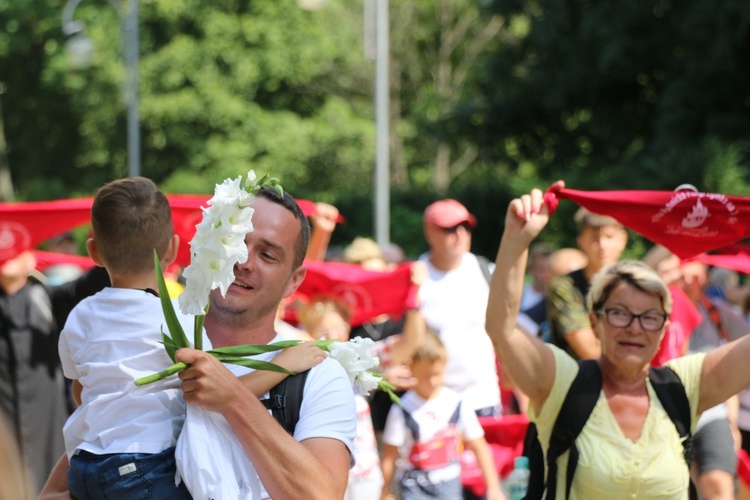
(453, 229)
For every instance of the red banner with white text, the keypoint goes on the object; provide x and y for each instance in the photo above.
(685, 221)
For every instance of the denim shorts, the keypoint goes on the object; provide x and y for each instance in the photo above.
(125, 476)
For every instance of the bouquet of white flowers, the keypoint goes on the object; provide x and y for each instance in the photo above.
(219, 244)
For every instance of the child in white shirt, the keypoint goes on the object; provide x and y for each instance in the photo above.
(120, 441)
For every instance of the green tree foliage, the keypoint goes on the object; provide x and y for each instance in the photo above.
(225, 86)
(434, 47)
(488, 99)
(625, 94)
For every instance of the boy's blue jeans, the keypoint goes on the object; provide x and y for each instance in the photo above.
(125, 476)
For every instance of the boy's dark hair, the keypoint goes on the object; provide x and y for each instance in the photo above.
(131, 218)
(304, 226)
(431, 350)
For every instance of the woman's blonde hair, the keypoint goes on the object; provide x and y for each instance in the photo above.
(633, 272)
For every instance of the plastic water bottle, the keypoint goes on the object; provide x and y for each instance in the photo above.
(518, 480)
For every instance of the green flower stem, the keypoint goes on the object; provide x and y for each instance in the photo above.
(175, 368)
(198, 331)
(175, 328)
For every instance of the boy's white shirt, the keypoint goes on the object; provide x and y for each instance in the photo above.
(432, 416)
(109, 340)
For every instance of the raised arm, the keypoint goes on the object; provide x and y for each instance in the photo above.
(528, 361)
(323, 223)
(726, 372)
(414, 326)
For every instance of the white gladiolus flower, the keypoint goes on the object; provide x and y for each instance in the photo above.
(226, 193)
(356, 358)
(367, 382)
(219, 242)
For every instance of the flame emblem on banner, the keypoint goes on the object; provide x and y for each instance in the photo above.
(696, 217)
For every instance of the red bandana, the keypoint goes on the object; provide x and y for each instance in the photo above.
(685, 221)
(369, 293)
(739, 262)
(26, 225)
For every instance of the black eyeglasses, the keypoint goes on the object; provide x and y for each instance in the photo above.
(454, 229)
(622, 318)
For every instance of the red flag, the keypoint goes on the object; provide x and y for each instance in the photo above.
(684, 319)
(25, 225)
(47, 259)
(685, 221)
(369, 293)
(739, 262)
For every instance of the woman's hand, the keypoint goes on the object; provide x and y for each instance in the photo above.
(528, 215)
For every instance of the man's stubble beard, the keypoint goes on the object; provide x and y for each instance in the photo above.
(242, 314)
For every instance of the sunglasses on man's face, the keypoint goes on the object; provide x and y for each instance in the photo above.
(454, 229)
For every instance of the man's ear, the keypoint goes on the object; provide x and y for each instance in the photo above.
(298, 276)
(93, 253)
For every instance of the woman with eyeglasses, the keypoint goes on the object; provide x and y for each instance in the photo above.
(629, 447)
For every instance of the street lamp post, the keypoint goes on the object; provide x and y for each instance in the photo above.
(80, 49)
(382, 101)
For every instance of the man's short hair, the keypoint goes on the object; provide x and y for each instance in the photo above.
(540, 250)
(288, 202)
(131, 217)
(585, 218)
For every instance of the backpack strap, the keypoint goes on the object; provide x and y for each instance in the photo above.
(411, 424)
(456, 415)
(285, 400)
(484, 265)
(671, 393)
(575, 411)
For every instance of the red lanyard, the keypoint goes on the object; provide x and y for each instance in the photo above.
(715, 317)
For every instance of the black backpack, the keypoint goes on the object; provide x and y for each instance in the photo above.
(578, 404)
(285, 400)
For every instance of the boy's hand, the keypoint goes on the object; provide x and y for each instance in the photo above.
(301, 357)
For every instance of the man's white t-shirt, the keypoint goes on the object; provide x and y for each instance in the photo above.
(328, 408)
(454, 305)
(109, 340)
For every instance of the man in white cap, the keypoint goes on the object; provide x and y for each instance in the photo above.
(453, 301)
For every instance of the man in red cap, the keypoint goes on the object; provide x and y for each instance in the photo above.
(453, 301)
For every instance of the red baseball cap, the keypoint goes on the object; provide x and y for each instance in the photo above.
(448, 213)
